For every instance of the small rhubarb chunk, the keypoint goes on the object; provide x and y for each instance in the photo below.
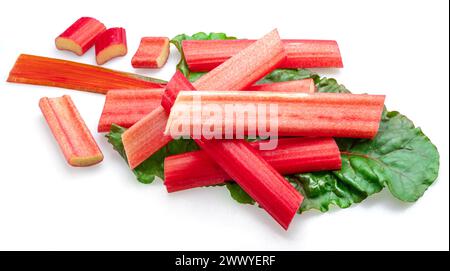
(152, 53)
(110, 44)
(80, 36)
(74, 138)
(126, 107)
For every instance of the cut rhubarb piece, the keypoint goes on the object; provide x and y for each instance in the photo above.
(239, 72)
(292, 155)
(80, 36)
(152, 53)
(37, 70)
(69, 129)
(145, 136)
(126, 107)
(298, 114)
(149, 131)
(110, 44)
(205, 55)
(255, 176)
(246, 66)
(305, 86)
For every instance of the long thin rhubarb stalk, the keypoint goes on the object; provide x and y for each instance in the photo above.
(69, 129)
(298, 114)
(126, 107)
(237, 158)
(205, 55)
(241, 71)
(292, 155)
(37, 70)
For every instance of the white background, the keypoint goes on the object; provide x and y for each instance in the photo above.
(397, 48)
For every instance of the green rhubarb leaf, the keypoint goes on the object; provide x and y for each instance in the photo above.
(154, 166)
(182, 65)
(322, 189)
(238, 194)
(283, 75)
(400, 157)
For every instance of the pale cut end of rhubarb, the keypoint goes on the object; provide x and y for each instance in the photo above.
(152, 53)
(69, 45)
(112, 43)
(74, 138)
(80, 36)
(85, 161)
(111, 52)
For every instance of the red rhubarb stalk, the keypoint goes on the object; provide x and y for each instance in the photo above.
(305, 86)
(255, 176)
(37, 70)
(245, 67)
(241, 71)
(152, 53)
(292, 155)
(110, 44)
(70, 131)
(298, 114)
(80, 36)
(205, 55)
(126, 107)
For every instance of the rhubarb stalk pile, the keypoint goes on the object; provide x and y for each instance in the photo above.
(331, 147)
